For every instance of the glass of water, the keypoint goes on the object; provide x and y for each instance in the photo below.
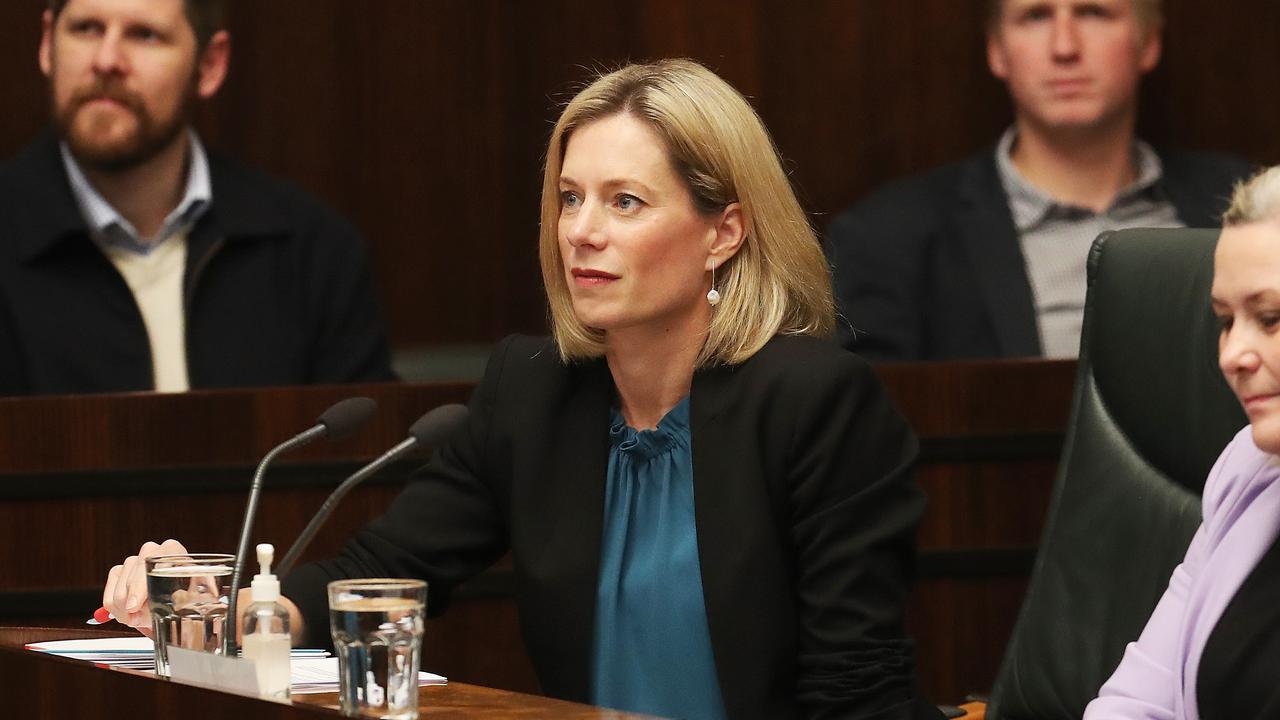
(377, 633)
(188, 599)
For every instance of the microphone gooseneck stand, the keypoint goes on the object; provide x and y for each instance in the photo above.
(340, 419)
(427, 431)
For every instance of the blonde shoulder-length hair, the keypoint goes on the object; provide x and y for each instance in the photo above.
(777, 282)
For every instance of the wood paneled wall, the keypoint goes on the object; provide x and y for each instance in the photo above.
(424, 120)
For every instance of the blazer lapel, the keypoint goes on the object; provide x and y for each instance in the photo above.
(45, 213)
(985, 226)
(721, 554)
(574, 505)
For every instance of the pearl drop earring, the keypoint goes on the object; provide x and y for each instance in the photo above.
(713, 296)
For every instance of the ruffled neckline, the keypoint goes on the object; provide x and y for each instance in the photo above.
(672, 432)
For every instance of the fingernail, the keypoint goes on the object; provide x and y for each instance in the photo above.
(131, 604)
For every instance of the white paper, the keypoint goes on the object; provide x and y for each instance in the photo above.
(313, 670)
(131, 650)
(96, 646)
(320, 675)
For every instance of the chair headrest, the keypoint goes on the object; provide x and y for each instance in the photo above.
(1153, 353)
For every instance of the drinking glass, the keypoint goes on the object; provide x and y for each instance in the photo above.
(188, 598)
(377, 633)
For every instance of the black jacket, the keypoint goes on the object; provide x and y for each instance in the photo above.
(931, 268)
(805, 509)
(277, 290)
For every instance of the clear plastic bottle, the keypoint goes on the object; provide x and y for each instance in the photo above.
(266, 630)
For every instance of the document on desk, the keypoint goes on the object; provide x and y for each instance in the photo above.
(313, 670)
(320, 675)
(137, 652)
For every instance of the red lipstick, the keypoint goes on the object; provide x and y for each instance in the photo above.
(590, 277)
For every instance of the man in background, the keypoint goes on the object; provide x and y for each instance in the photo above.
(987, 257)
(130, 259)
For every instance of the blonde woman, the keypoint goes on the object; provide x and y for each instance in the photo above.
(1210, 647)
(709, 507)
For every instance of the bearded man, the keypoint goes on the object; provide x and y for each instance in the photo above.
(131, 259)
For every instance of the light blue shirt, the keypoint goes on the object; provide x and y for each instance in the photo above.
(108, 227)
(652, 650)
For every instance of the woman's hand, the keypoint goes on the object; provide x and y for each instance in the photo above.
(125, 594)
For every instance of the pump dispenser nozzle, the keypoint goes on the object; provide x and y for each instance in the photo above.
(266, 587)
(266, 553)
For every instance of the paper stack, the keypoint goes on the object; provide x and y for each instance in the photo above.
(132, 652)
(313, 670)
(320, 675)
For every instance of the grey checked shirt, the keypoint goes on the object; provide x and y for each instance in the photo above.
(1056, 238)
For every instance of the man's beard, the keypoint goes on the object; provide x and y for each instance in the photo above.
(147, 140)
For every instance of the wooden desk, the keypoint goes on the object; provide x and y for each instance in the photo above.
(84, 479)
(45, 686)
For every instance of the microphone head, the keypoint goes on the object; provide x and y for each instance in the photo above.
(346, 416)
(432, 428)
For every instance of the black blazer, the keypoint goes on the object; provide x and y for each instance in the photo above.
(276, 291)
(931, 268)
(805, 509)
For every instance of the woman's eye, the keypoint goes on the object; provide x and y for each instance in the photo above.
(628, 202)
(1269, 322)
(569, 199)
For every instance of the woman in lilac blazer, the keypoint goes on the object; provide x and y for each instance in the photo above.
(1209, 650)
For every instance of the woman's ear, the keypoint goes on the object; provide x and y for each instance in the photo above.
(730, 231)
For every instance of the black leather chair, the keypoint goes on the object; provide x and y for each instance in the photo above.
(1151, 414)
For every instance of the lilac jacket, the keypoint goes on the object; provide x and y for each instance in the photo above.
(1156, 679)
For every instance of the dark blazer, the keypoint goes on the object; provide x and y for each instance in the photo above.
(931, 268)
(277, 290)
(805, 509)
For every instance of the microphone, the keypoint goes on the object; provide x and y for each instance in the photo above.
(341, 419)
(427, 431)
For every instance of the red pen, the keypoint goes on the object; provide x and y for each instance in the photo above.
(100, 616)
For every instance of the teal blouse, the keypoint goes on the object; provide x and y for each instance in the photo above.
(652, 651)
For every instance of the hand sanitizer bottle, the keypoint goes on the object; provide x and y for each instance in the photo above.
(266, 630)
